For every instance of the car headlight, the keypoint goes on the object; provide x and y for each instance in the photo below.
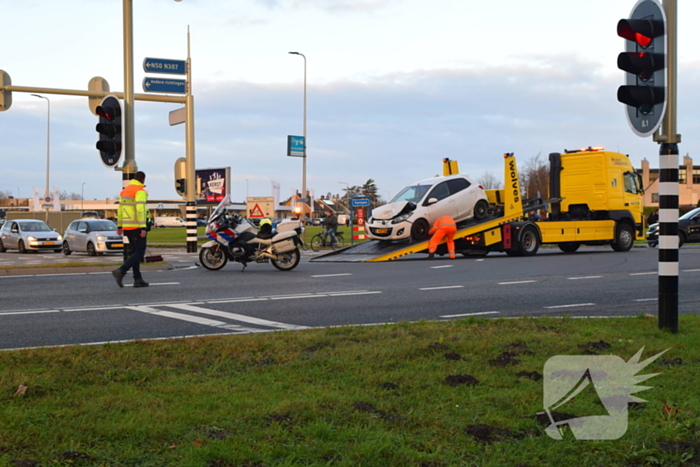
(401, 218)
(59, 238)
(370, 220)
(100, 238)
(31, 238)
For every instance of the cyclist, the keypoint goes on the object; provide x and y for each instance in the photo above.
(331, 224)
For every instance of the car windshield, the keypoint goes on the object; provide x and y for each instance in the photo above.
(411, 193)
(35, 227)
(690, 214)
(103, 226)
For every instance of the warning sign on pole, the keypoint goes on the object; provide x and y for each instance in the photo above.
(260, 206)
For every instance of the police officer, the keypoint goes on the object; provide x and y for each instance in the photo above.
(132, 220)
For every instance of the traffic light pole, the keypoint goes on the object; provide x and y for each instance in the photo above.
(668, 184)
(191, 202)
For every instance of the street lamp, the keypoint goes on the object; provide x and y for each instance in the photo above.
(48, 146)
(82, 198)
(303, 179)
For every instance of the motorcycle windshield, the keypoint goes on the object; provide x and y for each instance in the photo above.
(220, 208)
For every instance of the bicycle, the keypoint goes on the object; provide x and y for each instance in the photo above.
(318, 241)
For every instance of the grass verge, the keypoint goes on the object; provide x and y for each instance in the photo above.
(428, 394)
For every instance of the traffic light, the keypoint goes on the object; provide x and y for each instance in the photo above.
(181, 176)
(180, 186)
(110, 130)
(644, 62)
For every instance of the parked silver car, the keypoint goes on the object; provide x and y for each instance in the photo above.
(93, 236)
(28, 235)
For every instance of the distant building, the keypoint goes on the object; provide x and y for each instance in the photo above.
(688, 183)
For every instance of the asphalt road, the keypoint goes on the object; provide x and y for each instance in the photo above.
(89, 308)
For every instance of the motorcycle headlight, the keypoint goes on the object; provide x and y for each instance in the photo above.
(401, 218)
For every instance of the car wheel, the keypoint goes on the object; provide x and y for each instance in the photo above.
(91, 249)
(681, 239)
(481, 210)
(66, 249)
(420, 229)
(2, 247)
(21, 247)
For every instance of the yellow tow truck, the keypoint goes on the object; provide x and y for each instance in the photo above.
(595, 199)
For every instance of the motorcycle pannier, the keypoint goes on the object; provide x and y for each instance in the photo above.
(284, 242)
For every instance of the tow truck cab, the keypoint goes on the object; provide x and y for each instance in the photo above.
(594, 184)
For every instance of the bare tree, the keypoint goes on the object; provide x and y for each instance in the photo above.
(489, 181)
(5, 194)
(69, 196)
(534, 177)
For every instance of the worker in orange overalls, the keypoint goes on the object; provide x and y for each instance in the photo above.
(445, 226)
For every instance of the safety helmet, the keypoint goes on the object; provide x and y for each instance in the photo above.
(265, 222)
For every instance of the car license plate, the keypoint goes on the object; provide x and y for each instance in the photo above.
(117, 245)
(382, 231)
(49, 243)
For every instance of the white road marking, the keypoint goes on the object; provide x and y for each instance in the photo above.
(646, 300)
(30, 312)
(155, 283)
(444, 287)
(441, 267)
(573, 305)
(516, 282)
(237, 317)
(333, 275)
(584, 277)
(471, 314)
(482, 259)
(359, 292)
(690, 270)
(180, 316)
(291, 297)
(642, 273)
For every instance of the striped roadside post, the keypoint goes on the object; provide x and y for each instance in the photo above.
(191, 226)
(668, 237)
(358, 232)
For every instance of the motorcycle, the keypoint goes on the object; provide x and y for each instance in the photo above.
(234, 238)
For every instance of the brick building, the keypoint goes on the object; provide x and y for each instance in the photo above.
(688, 183)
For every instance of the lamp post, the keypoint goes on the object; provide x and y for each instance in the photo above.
(48, 148)
(82, 197)
(303, 179)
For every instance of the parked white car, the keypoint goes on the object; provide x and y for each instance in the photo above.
(92, 236)
(414, 210)
(28, 235)
(169, 221)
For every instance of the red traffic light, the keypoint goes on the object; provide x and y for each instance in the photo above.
(640, 31)
(108, 112)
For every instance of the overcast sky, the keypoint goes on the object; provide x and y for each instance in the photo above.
(394, 86)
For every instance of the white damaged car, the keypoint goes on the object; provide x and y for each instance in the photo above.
(414, 210)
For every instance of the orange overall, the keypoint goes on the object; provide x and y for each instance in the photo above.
(443, 227)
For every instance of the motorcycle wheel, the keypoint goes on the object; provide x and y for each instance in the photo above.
(213, 258)
(287, 261)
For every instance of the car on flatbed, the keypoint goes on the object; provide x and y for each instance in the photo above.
(412, 212)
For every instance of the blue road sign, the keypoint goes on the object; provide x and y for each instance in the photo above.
(296, 146)
(359, 202)
(164, 65)
(166, 85)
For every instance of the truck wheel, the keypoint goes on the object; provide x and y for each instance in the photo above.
(420, 229)
(624, 237)
(481, 210)
(569, 247)
(529, 241)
